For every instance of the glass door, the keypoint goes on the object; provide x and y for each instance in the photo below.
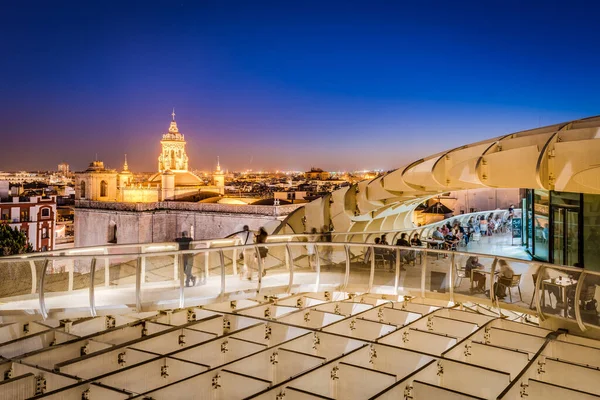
(572, 237)
(565, 236)
(558, 235)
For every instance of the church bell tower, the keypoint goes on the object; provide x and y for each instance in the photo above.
(172, 156)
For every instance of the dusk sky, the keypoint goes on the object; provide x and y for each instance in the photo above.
(284, 84)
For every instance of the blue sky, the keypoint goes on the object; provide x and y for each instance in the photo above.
(289, 85)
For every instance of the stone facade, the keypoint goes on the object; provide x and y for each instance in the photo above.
(99, 223)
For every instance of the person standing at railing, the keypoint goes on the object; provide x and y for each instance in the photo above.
(261, 237)
(250, 262)
(327, 250)
(188, 259)
(310, 248)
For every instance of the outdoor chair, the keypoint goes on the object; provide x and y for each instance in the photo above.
(534, 278)
(380, 260)
(461, 273)
(516, 280)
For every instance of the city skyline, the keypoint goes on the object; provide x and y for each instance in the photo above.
(272, 86)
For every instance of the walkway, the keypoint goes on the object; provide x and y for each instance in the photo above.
(326, 345)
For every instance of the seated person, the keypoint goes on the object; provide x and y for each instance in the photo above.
(450, 241)
(437, 234)
(472, 265)
(504, 279)
(416, 241)
(384, 239)
(406, 255)
(483, 226)
(445, 230)
(387, 255)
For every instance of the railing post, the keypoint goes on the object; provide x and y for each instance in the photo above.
(206, 262)
(347, 274)
(423, 274)
(576, 302)
(317, 266)
(289, 259)
(222, 259)
(33, 276)
(234, 261)
(176, 266)
(106, 269)
(397, 275)
(492, 277)
(538, 284)
(143, 264)
(138, 284)
(43, 310)
(451, 277)
(260, 268)
(181, 284)
(372, 271)
(70, 271)
(92, 288)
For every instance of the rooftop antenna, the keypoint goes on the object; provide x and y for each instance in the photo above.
(96, 156)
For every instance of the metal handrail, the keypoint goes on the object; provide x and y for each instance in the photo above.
(79, 251)
(344, 248)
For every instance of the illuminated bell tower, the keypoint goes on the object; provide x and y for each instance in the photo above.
(172, 156)
(219, 178)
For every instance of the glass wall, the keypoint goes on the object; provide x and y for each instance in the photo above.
(591, 231)
(563, 228)
(541, 224)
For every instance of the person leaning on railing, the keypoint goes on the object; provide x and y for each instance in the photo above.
(261, 237)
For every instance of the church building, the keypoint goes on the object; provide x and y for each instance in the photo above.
(173, 181)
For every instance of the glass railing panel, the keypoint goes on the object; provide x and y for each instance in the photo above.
(589, 300)
(473, 275)
(72, 276)
(384, 274)
(437, 271)
(557, 292)
(17, 277)
(332, 259)
(303, 274)
(115, 280)
(275, 265)
(202, 275)
(518, 290)
(159, 275)
(360, 266)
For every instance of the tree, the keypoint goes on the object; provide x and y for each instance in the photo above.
(12, 241)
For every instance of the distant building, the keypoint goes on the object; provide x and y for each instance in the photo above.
(173, 181)
(317, 174)
(63, 169)
(35, 216)
(105, 211)
(23, 177)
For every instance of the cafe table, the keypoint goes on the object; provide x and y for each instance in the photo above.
(562, 285)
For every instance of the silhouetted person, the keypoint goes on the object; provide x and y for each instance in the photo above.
(188, 260)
